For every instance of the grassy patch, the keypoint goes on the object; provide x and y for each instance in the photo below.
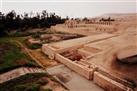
(12, 56)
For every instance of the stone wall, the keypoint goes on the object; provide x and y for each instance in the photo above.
(109, 84)
(48, 51)
(84, 71)
(90, 72)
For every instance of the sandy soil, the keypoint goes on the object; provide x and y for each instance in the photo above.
(42, 59)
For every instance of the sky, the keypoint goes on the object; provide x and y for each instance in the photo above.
(71, 8)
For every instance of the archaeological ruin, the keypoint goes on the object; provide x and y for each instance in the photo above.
(107, 54)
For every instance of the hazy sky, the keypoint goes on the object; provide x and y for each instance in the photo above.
(73, 8)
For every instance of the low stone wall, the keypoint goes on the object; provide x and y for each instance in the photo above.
(89, 72)
(48, 51)
(109, 84)
(86, 72)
